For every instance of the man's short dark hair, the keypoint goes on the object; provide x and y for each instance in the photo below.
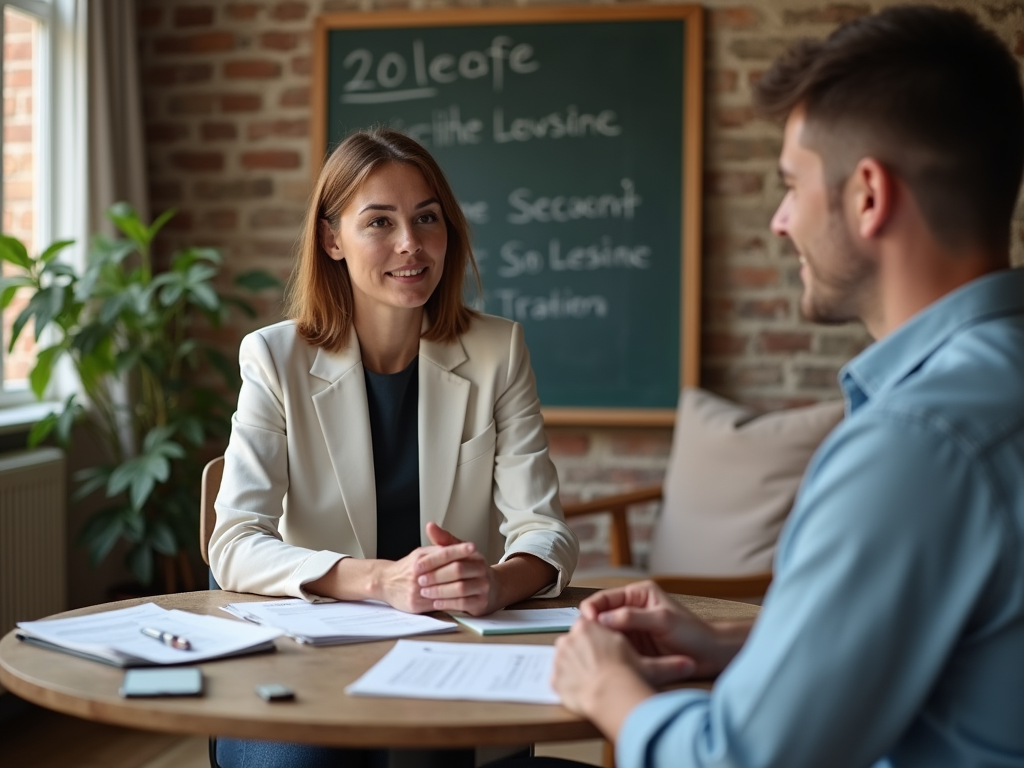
(931, 94)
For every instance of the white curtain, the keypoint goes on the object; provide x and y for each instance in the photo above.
(117, 151)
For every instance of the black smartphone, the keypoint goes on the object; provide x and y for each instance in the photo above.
(165, 681)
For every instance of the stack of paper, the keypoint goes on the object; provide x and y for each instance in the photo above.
(522, 622)
(336, 623)
(469, 671)
(115, 637)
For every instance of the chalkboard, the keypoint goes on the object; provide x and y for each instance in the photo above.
(572, 139)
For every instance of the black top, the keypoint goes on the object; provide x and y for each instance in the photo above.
(393, 400)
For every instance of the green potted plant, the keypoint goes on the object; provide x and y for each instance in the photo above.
(133, 334)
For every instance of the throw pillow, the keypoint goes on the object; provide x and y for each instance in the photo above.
(732, 477)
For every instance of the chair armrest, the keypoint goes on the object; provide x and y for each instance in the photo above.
(620, 551)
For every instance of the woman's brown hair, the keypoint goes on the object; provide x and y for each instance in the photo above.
(319, 294)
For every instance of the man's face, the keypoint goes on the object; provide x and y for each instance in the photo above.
(836, 273)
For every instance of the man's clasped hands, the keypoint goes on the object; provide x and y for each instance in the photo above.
(630, 640)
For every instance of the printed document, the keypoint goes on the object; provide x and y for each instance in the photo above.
(467, 671)
(521, 622)
(337, 623)
(115, 637)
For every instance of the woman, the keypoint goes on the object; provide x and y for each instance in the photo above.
(388, 442)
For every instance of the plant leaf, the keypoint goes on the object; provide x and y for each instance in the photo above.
(41, 429)
(12, 250)
(39, 378)
(204, 295)
(159, 222)
(162, 538)
(140, 562)
(90, 479)
(50, 253)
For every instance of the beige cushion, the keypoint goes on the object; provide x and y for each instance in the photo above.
(731, 481)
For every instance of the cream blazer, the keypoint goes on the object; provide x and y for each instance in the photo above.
(298, 492)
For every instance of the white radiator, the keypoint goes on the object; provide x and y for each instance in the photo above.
(33, 539)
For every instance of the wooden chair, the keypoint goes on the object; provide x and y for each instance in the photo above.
(213, 473)
(745, 588)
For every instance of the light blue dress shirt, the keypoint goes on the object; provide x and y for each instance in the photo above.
(893, 633)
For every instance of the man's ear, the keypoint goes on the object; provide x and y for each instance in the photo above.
(329, 242)
(870, 189)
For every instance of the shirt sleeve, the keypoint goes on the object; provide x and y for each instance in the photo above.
(525, 480)
(892, 540)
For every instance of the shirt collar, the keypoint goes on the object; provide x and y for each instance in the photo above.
(887, 362)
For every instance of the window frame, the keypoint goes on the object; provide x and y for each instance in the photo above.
(59, 147)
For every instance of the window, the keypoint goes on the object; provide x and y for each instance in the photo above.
(26, 152)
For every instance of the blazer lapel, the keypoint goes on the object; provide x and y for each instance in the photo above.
(344, 418)
(443, 399)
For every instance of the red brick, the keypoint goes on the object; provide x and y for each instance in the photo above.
(1019, 49)
(271, 218)
(726, 245)
(723, 344)
(18, 78)
(150, 16)
(290, 11)
(302, 65)
(209, 42)
(243, 189)
(295, 97)
(198, 161)
(14, 23)
(190, 104)
(837, 13)
(774, 341)
(734, 117)
(843, 346)
(271, 159)
(218, 131)
(17, 133)
(195, 73)
(279, 41)
(220, 218)
(733, 183)
(193, 16)
(165, 75)
(734, 18)
(18, 52)
(276, 249)
(165, 132)
(241, 102)
(753, 277)
(251, 69)
(764, 309)
(286, 128)
(649, 442)
(723, 81)
(569, 443)
(243, 11)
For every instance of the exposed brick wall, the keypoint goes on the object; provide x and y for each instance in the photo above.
(227, 106)
(18, 172)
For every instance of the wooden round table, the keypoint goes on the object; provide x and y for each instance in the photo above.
(322, 712)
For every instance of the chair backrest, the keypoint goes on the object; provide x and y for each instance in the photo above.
(212, 475)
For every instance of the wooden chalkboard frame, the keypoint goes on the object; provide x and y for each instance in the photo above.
(692, 141)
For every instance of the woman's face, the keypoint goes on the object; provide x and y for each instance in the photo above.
(393, 237)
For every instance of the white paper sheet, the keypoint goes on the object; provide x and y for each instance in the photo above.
(116, 637)
(467, 671)
(521, 622)
(341, 622)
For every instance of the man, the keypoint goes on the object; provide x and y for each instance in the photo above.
(893, 633)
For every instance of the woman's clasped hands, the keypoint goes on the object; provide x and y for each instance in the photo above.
(449, 575)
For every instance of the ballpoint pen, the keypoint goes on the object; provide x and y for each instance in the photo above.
(168, 638)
